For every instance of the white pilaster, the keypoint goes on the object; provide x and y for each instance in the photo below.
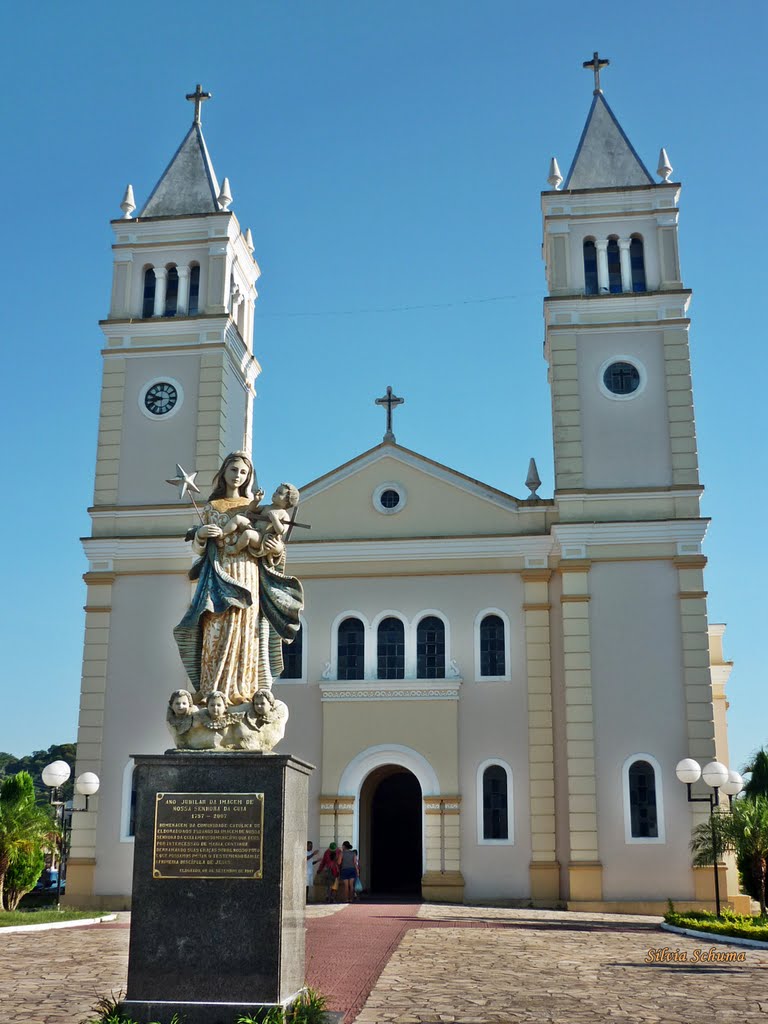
(161, 282)
(626, 264)
(182, 301)
(602, 265)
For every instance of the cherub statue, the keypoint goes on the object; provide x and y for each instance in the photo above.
(263, 724)
(181, 715)
(277, 517)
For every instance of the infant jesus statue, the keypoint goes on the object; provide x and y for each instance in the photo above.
(276, 516)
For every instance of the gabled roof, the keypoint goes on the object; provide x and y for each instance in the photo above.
(605, 157)
(389, 449)
(188, 184)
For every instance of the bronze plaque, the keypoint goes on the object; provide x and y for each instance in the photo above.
(208, 835)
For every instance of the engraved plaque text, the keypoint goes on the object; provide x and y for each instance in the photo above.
(208, 835)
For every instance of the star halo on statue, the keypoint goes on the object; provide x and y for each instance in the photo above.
(184, 481)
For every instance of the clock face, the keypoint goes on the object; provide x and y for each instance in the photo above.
(161, 398)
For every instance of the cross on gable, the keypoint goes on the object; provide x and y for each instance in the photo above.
(199, 97)
(596, 64)
(390, 401)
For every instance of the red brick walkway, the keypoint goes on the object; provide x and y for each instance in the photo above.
(347, 951)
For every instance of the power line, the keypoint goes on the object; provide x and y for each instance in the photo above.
(398, 309)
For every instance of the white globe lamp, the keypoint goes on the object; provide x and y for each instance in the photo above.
(715, 774)
(688, 770)
(87, 783)
(734, 785)
(56, 774)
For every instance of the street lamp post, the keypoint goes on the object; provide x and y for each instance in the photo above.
(718, 777)
(55, 776)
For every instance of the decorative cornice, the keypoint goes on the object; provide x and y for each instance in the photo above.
(690, 562)
(99, 579)
(536, 575)
(442, 804)
(574, 598)
(577, 537)
(105, 550)
(426, 548)
(382, 689)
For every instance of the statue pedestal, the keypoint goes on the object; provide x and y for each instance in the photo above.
(217, 917)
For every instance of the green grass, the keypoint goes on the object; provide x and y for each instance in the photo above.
(16, 917)
(740, 926)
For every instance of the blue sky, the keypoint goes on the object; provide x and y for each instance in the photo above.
(388, 158)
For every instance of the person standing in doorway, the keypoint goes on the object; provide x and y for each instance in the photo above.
(328, 872)
(313, 856)
(348, 872)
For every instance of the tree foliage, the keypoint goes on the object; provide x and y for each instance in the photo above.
(34, 764)
(757, 769)
(22, 876)
(744, 831)
(25, 827)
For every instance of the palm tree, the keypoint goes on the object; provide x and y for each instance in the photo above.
(744, 831)
(757, 769)
(25, 827)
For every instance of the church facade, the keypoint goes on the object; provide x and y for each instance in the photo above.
(495, 690)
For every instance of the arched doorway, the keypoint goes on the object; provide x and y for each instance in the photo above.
(391, 808)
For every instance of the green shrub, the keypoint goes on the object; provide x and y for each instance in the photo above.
(21, 876)
(742, 926)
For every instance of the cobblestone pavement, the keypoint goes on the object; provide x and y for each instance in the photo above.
(517, 966)
(468, 965)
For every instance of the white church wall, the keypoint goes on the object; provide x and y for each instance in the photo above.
(639, 708)
(304, 734)
(143, 668)
(612, 427)
(144, 465)
(493, 723)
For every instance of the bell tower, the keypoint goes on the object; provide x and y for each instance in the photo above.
(177, 387)
(628, 570)
(617, 323)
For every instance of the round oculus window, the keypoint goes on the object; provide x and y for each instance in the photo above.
(621, 378)
(389, 498)
(161, 398)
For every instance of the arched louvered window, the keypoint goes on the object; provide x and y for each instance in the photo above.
(614, 267)
(292, 657)
(390, 649)
(148, 300)
(430, 648)
(492, 647)
(495, 803)
(193, 306)
(637, 261)
(350, 650)
(590, 268)
(171, 292)
(642, 801)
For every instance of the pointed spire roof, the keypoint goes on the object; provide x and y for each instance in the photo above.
(605, 157)
(188, 184)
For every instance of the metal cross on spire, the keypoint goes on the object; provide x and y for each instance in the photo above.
(596, 64)
(199, 97)
(390, 401)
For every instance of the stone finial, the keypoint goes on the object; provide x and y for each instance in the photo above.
(249, 240)
(225, 196)
(128, 204)
(664, 170)
(533, 480)
(555, 178)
